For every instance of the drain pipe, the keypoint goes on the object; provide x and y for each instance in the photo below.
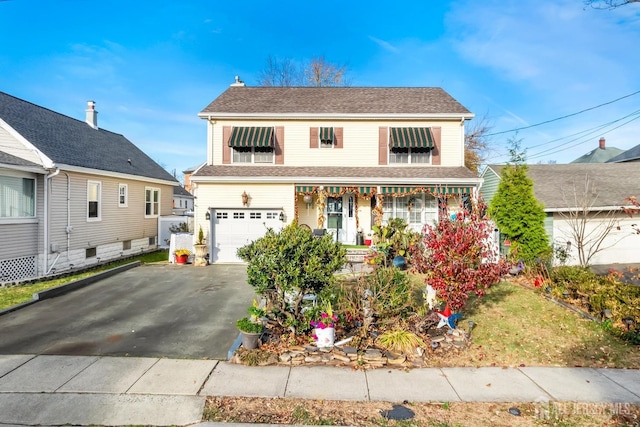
(68, 229)
(46, 217)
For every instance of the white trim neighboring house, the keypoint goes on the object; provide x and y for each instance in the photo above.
(598, 189)
(336, 159)
(73, 173)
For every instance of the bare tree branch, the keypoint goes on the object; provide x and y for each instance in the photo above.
(608, 4)
(588, 227)
(476, 143)
(318, 72)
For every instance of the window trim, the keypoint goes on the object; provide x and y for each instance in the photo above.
(152, 190)
(124, 204)
(90, 183)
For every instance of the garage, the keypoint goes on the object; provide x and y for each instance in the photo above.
(233, 228)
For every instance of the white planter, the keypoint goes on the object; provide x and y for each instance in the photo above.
(325, 337)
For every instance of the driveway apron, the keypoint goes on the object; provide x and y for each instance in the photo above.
(164, 310)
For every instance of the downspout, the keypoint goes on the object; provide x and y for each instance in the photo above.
(68, 229)
(46, 218)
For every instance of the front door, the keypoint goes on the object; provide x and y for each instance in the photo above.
(341, 220)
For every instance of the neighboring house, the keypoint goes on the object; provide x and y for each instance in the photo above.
(597, 188)
(601, 154)
(72, 194)
(187, 176)
(336, 159)
(182, 201)
(631, 155)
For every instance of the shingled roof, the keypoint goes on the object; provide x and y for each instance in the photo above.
(68, 141)
(632, 154)
(318, 101)
(553, 185)
(8, 159)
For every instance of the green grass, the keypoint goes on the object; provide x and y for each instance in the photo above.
(19, 294)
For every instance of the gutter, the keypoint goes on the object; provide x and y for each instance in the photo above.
(46, 216)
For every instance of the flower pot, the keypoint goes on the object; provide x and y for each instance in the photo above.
(325, 337)
(399, 262)
(250, 340)
(367, 242)
(200, 254)
(181, 259)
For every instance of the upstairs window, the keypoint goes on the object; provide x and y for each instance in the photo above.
(410, 145)
(327, 137)
(17, 197)
(94, 190)
(252, 144)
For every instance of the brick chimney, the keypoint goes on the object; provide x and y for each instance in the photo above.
(602, 143)
(92, 114)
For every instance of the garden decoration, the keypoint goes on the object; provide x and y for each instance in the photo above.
(448, 318)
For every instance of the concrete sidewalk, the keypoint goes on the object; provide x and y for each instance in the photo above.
(86, 390)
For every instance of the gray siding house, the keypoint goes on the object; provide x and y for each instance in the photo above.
(597, 189)
(72, 194)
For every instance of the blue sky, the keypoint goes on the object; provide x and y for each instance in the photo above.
(152, 67)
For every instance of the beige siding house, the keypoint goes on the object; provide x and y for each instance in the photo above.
(336, 159)
(72, 194)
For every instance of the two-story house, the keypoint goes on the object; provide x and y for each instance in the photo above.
(72, 194)
(338, 159)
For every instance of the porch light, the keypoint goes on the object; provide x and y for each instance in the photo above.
(308, 199)
(281, 216)
(245, 198)
(207, 215)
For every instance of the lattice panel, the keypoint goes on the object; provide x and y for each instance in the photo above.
(17, 269)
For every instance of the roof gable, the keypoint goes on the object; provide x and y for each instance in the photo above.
(335, 100)
(73, 142)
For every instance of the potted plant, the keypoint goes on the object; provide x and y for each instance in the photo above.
(181, 255)
(324, 327)
(200, 249)
(251, 327)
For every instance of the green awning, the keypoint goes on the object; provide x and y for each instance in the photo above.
(333, 190)
(411, 138)
(326, 134)
(304, 189)
(435, 189)
(251, 137)
(365, 190)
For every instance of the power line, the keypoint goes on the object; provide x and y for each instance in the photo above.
(555, 150)
(563, 117)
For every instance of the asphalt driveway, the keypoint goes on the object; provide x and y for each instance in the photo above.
(164, 310)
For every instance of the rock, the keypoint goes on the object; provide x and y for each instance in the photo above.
(397, 360)
(348, 350)
(372, 353)
(438, 339)
(285, 357)
(313, 359)
(341, 358)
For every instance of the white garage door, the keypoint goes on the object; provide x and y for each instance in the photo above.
(234, 228)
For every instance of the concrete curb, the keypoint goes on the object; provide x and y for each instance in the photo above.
(71, 286)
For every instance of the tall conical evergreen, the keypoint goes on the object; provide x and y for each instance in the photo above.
(517, 212)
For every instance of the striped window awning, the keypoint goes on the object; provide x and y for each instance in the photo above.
(326, 134)
(251, 137)
(333, 190)
(410, 138)
(304, 189)
(434, 189)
